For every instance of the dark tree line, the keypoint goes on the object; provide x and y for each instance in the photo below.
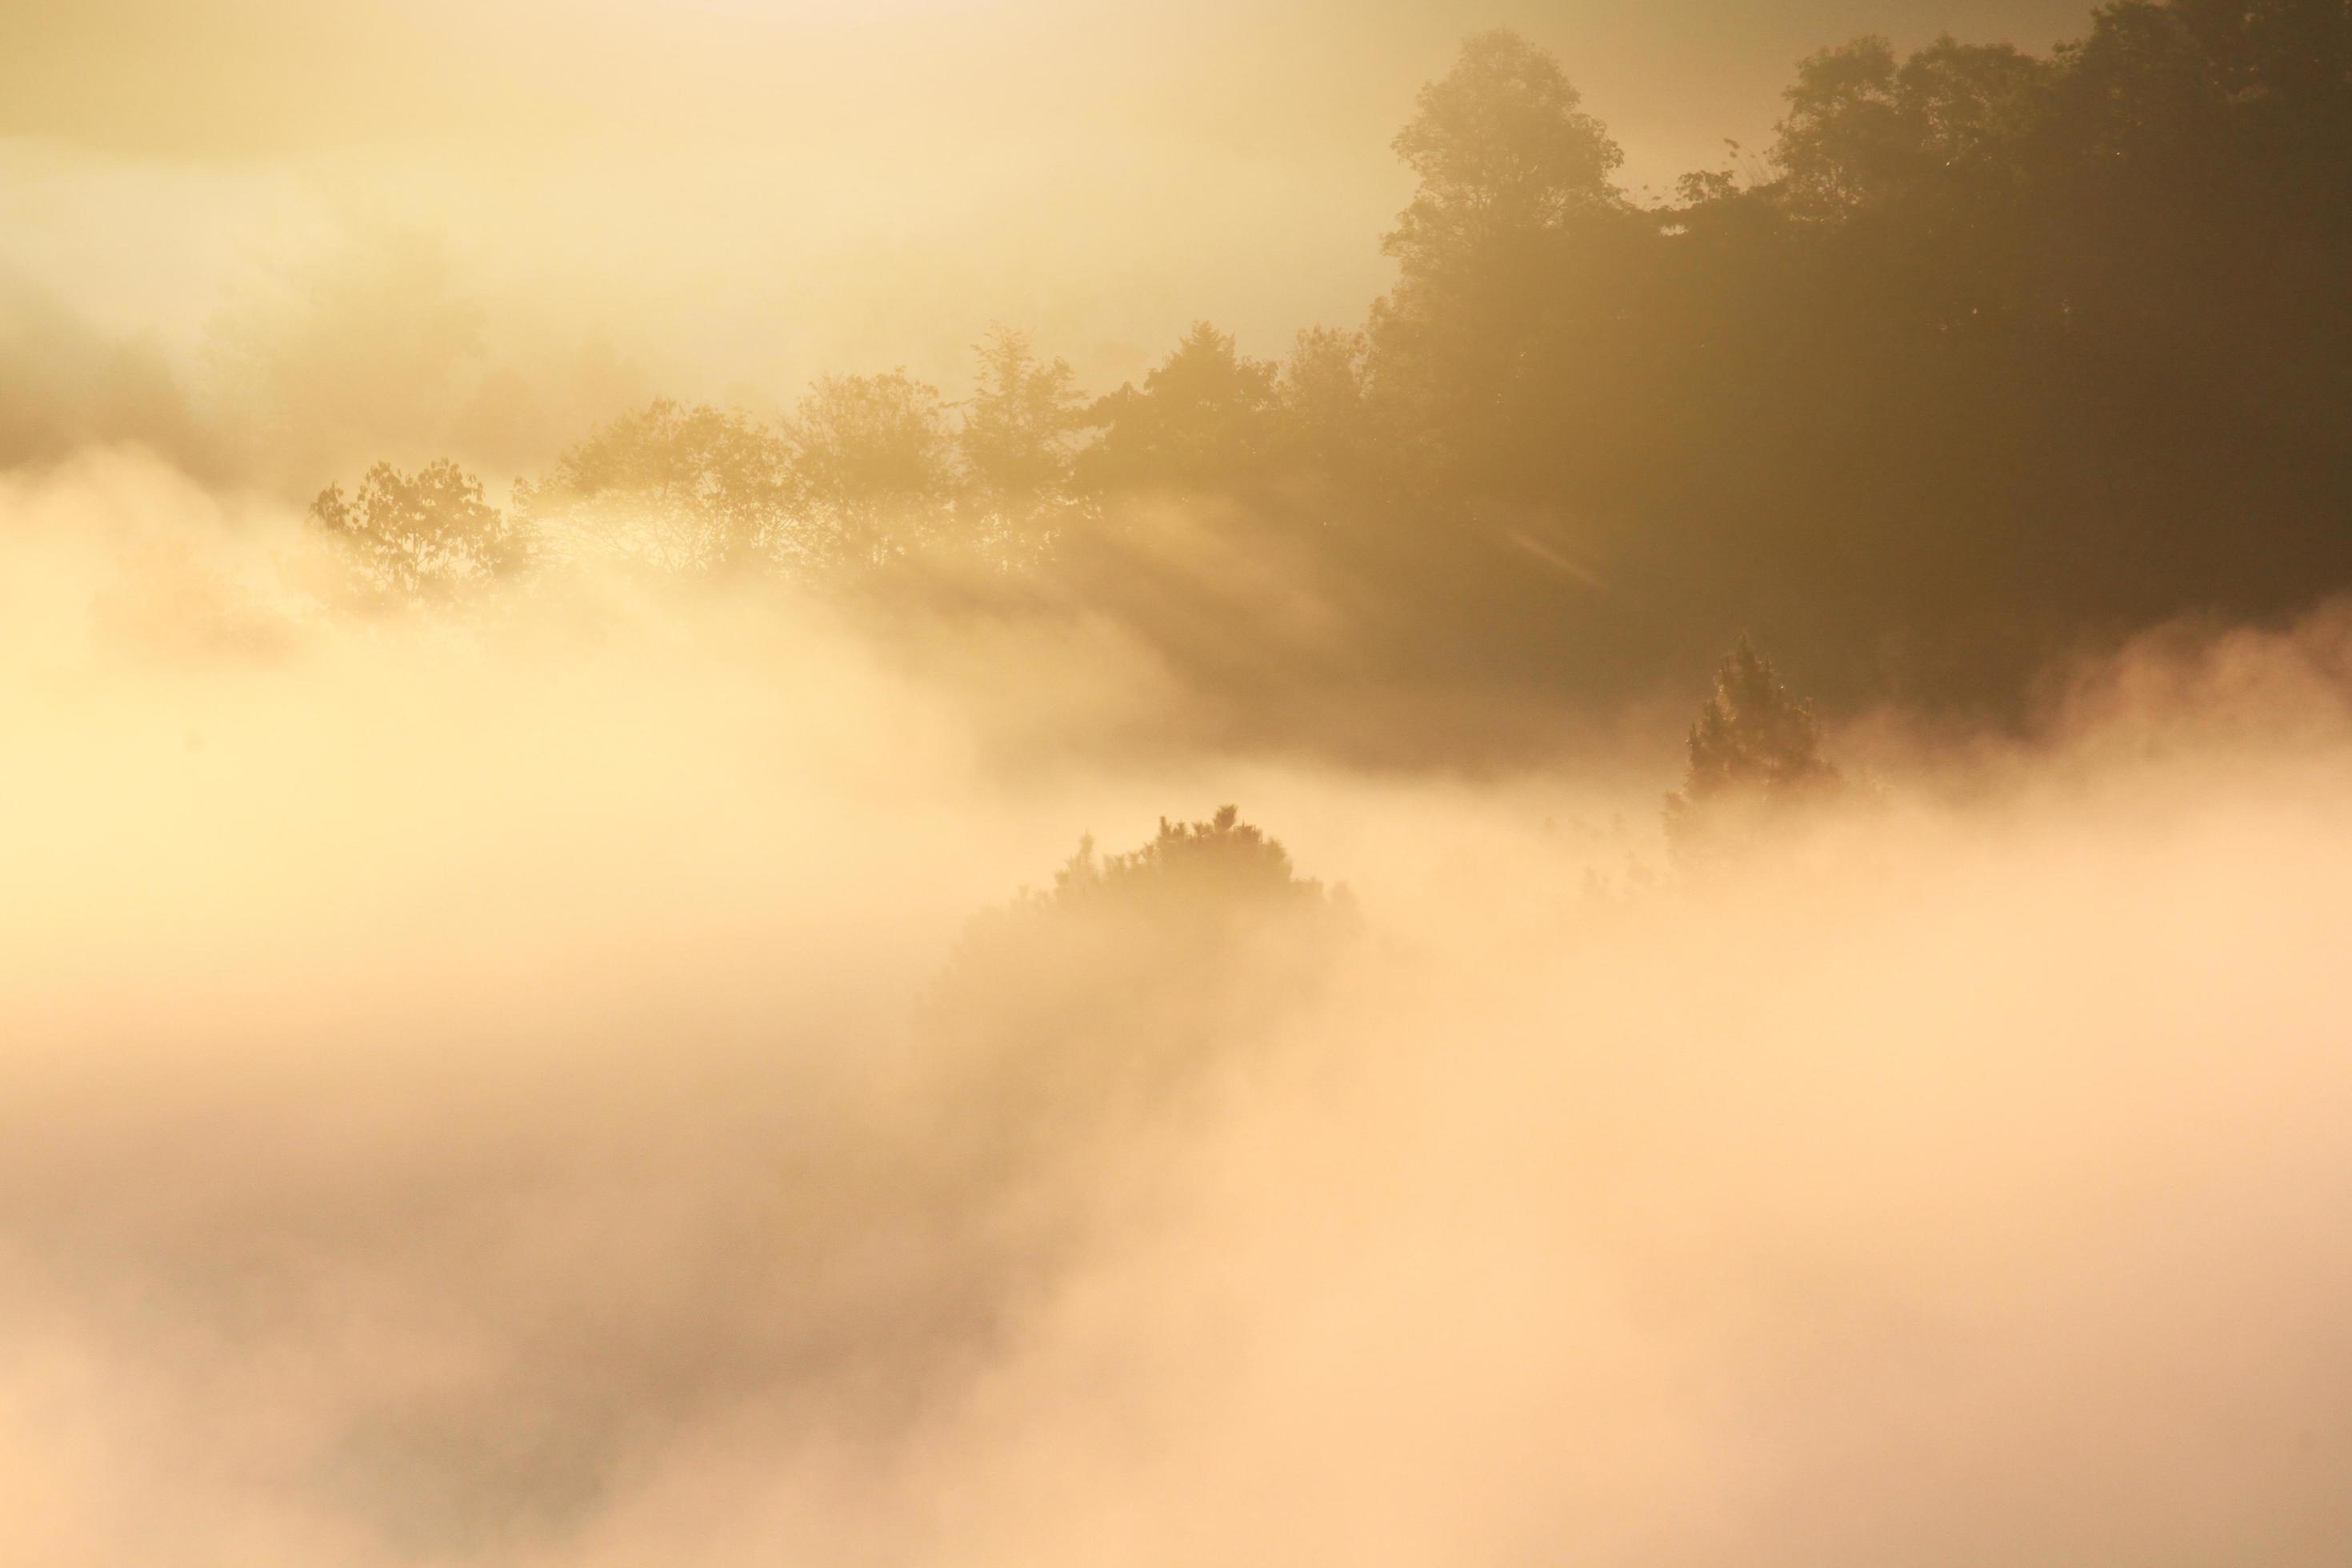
(1986, 355)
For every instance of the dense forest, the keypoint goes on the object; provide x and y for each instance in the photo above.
(1987, 359)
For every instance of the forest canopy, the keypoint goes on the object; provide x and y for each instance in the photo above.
(1986, 357)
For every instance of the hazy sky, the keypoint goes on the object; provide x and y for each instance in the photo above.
(746, 190)
(225, 78)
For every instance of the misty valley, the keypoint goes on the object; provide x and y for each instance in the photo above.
(1673, 894)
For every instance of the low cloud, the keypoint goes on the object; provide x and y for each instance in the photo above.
(474, 1094)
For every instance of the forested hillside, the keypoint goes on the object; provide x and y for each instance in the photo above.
(1986, 358)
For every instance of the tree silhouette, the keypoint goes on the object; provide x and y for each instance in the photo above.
(1504, 153)
(1021, 422)
(1867, 128)
(1224, 860)
(1110, 992)
(873, 463)
(1753, 748)
(1515, 182)
(1020, 430)
(691, 487)
(1204, 420)
(424, 534)
(1326, 411)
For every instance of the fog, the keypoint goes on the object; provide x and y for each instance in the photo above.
(475, 1091)
(1021, 783)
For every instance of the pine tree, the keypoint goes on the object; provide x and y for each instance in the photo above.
(1753, 748)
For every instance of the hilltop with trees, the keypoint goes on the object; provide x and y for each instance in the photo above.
(1988, 355)
(1111, 990)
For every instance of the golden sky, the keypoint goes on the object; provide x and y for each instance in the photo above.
(738, 191)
